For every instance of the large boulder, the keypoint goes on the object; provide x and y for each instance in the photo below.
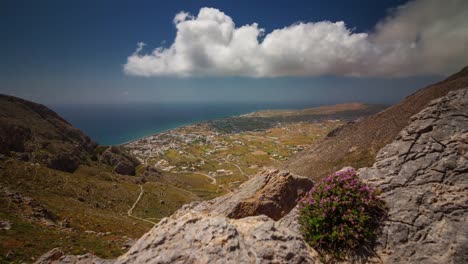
(197, 237)
(230, 229)
(271, 192)
(424, 178)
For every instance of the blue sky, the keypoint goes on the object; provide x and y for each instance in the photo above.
(76, 51)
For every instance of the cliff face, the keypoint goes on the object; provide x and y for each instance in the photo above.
(32, 132)
(356, 144)
(424, 178)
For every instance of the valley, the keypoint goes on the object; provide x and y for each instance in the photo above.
(97, 210)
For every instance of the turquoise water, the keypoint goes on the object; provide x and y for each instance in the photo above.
(119, 123)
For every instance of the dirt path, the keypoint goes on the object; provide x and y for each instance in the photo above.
(238, 167)
(130, 211)
(213, 179)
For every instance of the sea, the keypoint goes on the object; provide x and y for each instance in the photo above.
(115, 124)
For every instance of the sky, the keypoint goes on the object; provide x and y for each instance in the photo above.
(113, 51)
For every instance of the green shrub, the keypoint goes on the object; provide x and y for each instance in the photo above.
(340, 214)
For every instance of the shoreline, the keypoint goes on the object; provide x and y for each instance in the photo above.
(181, 126)
(157, 133)
(245, 115)
(197, 122)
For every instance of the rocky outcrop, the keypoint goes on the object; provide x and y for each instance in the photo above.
(424, 178)
(271, 192)
(121, 162)
(423, 175)
(196, 237)
(231, 229)
(32, 132)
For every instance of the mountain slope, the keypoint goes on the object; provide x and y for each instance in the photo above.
(356, 144)
(32, 132)
(58, 188)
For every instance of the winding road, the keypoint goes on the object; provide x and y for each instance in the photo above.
(238, 167)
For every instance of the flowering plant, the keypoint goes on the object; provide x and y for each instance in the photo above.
(341, 213)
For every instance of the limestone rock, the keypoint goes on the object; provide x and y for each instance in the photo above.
(424, 178)
(234, 228)
(271, 192)
(197, 237)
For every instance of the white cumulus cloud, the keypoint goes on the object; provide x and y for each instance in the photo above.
(420, 37)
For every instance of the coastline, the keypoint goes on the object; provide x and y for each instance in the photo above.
(246, 115)
(253, 114)
(161, 132)
(178, 127)
(121, 124)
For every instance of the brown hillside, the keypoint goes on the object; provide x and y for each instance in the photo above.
(356, 144)
(32, 132)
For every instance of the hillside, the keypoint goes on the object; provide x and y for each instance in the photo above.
(58, 188)
(34, 133)
(356, 144)
(61, 190)
(422, 175)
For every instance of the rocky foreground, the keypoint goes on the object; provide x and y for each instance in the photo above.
(424, 178)
(423, 175)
